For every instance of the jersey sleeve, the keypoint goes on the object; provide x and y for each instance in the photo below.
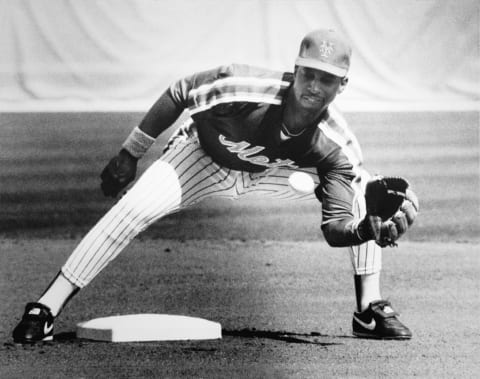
(337, 175)
(338, 123)
(182, 91)
(337, 196)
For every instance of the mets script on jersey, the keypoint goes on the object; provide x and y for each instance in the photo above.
(244, 151)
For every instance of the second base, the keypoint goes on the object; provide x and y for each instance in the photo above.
(148, 327)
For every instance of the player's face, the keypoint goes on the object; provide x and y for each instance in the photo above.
(315, 89)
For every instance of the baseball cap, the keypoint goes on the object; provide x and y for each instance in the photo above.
(326, 50)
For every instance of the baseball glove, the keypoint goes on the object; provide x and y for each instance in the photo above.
(391, 209)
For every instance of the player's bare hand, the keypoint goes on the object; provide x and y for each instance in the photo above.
(118, 173)
(410, 206)
(391, 230)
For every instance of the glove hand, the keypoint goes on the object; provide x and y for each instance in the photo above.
(118, 173)
(391, 209)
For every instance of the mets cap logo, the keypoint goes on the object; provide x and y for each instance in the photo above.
(326, 49)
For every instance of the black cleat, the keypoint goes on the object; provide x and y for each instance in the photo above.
(379, 321)
(36, 325)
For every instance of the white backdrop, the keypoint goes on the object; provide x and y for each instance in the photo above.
(120, 55)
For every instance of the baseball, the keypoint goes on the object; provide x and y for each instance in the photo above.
(301, 182)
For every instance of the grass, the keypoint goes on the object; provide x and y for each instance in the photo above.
(51, 164)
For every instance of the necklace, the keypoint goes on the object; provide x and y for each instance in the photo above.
(288, 133)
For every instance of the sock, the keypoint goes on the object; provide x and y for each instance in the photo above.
(367, 289)
(58, 293)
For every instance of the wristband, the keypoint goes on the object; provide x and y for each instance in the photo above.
(138, 142)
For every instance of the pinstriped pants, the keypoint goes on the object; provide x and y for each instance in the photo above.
(183, 176)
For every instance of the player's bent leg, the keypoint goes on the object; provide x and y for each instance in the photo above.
(366, 258)
(378, 319)
(366, 262)
(375, 318)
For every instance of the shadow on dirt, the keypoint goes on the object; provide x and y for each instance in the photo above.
(314, 338)
(69, 337)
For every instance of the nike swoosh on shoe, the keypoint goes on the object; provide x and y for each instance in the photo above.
(47, 328)
(370, 326)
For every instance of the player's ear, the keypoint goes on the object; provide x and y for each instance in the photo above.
(343, 84)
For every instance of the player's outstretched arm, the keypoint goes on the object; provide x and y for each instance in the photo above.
(161, 115)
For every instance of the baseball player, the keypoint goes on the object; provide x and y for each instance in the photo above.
(249, 129)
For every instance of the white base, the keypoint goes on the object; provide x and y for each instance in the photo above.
(148, 327)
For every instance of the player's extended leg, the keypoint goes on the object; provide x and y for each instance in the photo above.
(155, 194)
(182, 176)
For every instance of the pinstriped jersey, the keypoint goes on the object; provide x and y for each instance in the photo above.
(237, 112)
